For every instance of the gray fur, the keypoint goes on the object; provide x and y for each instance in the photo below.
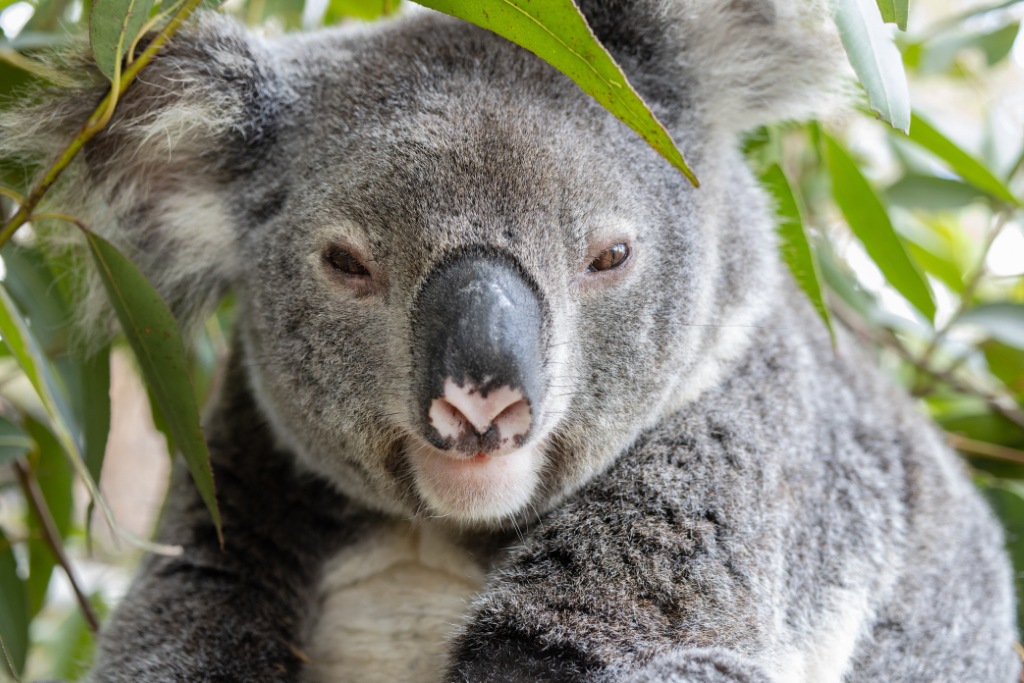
(723, 498)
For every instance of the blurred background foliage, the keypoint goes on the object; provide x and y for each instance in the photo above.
(917, 243)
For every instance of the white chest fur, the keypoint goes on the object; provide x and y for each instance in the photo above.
(388, 604)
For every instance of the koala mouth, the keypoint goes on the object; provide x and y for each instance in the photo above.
(476, 487)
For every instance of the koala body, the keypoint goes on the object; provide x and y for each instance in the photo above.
(509, 399)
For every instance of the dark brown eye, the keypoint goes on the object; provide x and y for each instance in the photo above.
(612, 257)
(345, 262)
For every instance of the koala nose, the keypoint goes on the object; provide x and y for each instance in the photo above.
(492, 418)
(479, 327)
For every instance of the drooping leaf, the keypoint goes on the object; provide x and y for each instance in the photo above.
(113, 25)
(870, 223)
(932, 194)
(54, 475)
(38, 293)
(13, 612)
(14, 442)
(1002, 321)
(888, 11)
(902, 13)
(965, 165)
(874, 58)
(796, 250)
(96, 408)
(23, 344)
(558, 33)
(894, 12)
(153, 334)
(25, 347)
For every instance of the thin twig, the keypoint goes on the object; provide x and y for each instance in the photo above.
(91, 126)
(990, 450)
(52, 536)
(1004, 405)
(10, 664)
(967, 295)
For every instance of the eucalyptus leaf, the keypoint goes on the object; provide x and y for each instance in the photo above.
(113, 25)
(14, 442)
(932, 194)
(558, 33)
(965, 165)
(153, 335)
(874, 58)
(894, 12)
(1003, 321)
(96, 408)
(870, 223)
(795, 249)
(23, 344)
(13, 611)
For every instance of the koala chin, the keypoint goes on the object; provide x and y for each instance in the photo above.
(508, 398)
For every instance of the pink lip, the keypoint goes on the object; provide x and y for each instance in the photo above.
(476, 485)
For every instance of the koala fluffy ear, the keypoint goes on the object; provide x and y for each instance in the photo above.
(734, 64)
(156, 181)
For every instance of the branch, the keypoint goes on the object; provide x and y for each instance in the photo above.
(989, 450)
(1004, 405)
(52, 537)
(96, 121)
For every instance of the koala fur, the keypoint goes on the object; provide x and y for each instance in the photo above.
(705, 493)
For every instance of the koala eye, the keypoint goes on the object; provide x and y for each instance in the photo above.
(345, 262)
(612, 257)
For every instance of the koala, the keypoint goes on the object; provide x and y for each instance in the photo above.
(508, 398)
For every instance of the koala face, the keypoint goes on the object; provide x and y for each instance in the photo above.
(464, 286)
(483, 300)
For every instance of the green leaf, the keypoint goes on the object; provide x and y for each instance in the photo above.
(795, 249)
(966, 166)
(96, 409)
(153, 334)
(875, 59)
(14, 442)
(113, 25)
(888, 10)
(902, 13)
(557, 32)
(71, 649)
(1006, 363)
(1009, 506)
(930, 193)
(54, 475)
(894, 12)
(1003, 321)
(360, 9)
(998, 44)
(24, 345)
(870, 223)
(13, 612)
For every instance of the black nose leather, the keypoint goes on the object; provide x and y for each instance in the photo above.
(479, 327)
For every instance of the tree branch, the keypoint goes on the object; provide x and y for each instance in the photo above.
(96, 121)
(52, 537)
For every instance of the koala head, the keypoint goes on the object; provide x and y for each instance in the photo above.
(464, 287)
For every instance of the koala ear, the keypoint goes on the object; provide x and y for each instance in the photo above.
(734, 64)
(155, 181)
